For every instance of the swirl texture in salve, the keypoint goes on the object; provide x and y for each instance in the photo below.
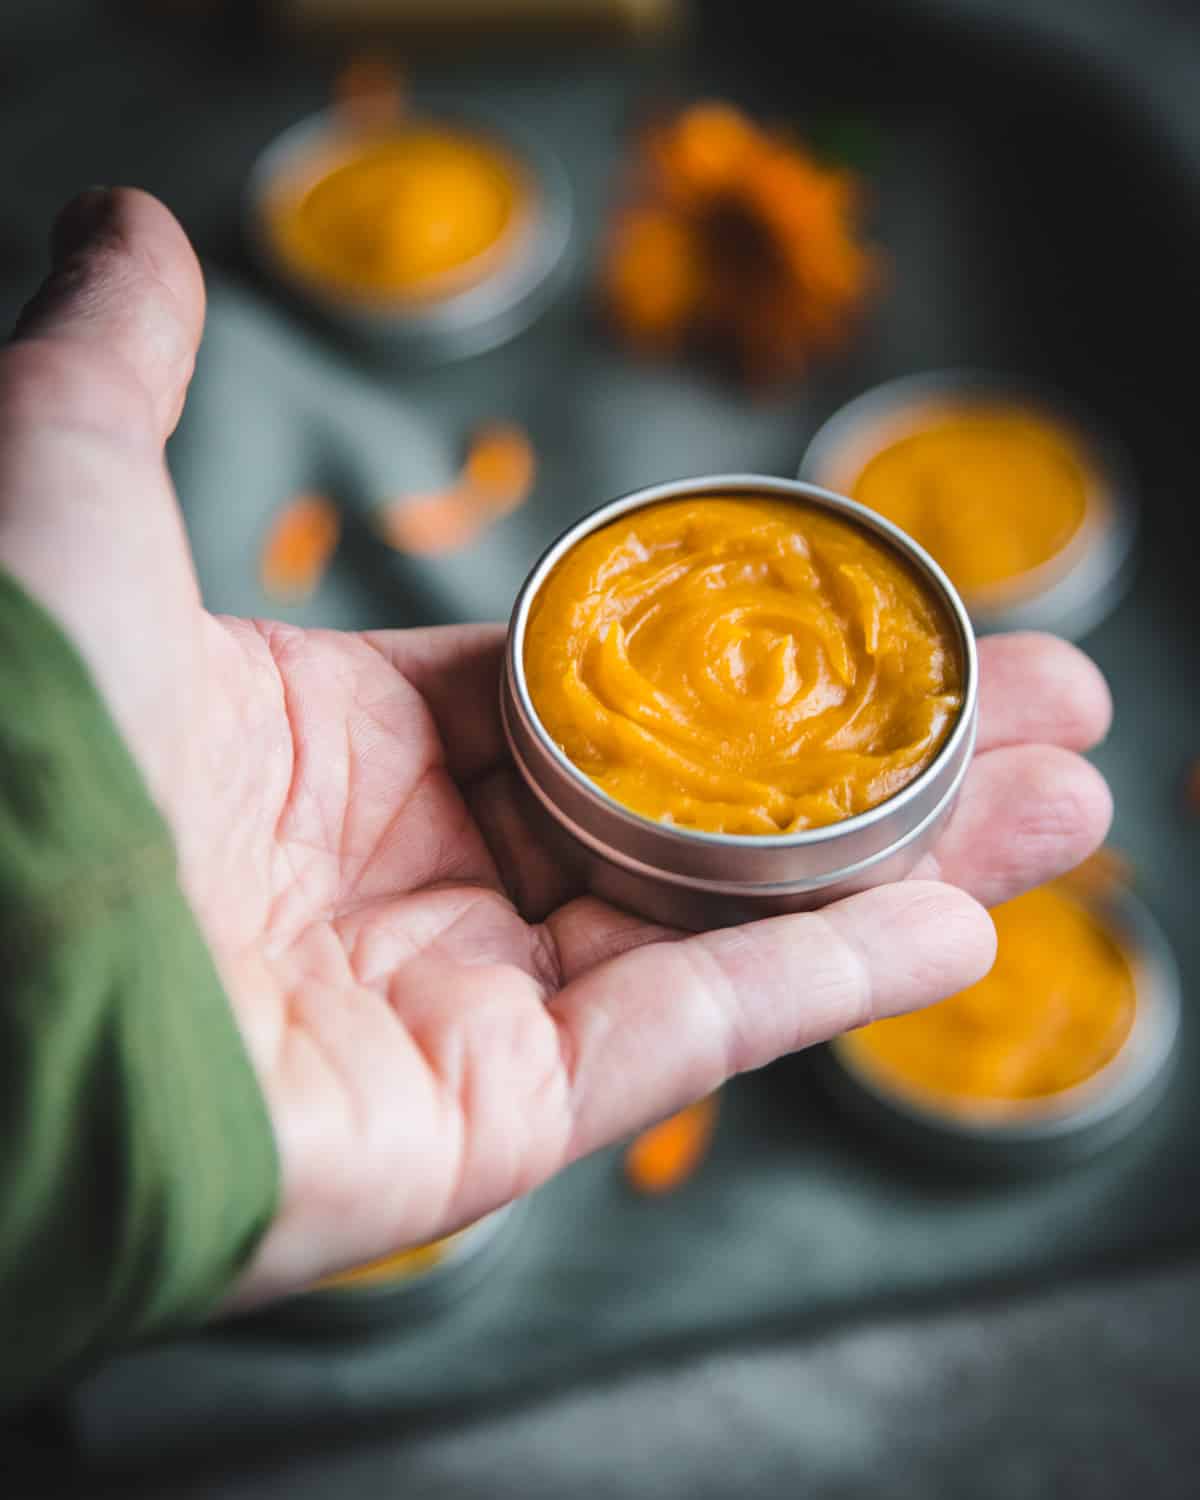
(742, 665)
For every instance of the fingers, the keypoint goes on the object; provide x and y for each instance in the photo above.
(126, 288)
(1026, 814)
(1037, 689)
(456, 669)
(673, 1020)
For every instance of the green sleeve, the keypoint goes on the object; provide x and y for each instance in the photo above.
(137, 1164)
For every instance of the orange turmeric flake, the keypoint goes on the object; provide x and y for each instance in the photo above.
(427, 525)
(500, 468)
(662, 1158)
(300, 542)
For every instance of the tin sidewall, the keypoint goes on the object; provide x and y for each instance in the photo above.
(697, 879)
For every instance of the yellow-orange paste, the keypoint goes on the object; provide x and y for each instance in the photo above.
(400, 1267)
(991, 491)
(1056, 1007)
(413, 211)
(741, 665)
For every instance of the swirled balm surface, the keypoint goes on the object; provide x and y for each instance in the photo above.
(742, 665)
(991, 490)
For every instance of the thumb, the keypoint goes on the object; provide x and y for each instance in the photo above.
(90, 388)
(125, 284)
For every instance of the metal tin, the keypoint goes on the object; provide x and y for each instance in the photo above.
(1062, 1128)
(480, 315)
(1070, 593)
(693, 879)
(412, 1296)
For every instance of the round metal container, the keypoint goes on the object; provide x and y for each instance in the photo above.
(1070, 593)
(1062, 1128)
(378, 1305)
(692, 879)
(529, 265)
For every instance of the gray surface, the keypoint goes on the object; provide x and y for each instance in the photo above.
(899, 1410)
(1067, 1395)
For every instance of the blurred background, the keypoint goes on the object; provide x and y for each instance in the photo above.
(476, 266)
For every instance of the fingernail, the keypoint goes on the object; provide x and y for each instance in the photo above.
(79, 222)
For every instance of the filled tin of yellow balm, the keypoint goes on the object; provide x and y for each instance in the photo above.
(1024, 506)
(408, 1286)
(438, 235)
(736, 695)
(1058, 1052)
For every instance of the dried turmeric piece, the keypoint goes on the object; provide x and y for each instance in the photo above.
(300, 542)
(430, 524)
(500, 468)
(662, 1158)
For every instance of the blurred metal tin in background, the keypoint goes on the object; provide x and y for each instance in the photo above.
(527, 269)
(693, 879)
(1069, 594)
(1056, 1130)
(387, 1294)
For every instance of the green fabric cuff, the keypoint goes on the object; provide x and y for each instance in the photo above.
(138, 1167)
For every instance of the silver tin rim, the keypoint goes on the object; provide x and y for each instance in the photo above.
(464, 1265)
(1070, 593)
(852, 853)
(1064, 1127)
(483, 313)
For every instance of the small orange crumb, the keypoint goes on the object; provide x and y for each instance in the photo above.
(500, 468)
(662, 1158)
(369, 91)
(430, 524)
(299, 544)
(1192, 787)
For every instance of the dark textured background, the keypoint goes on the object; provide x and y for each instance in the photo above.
(808, 1317)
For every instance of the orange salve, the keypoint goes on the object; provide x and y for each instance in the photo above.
(1057, 1006)
(413, 211)
(742, 665)
(399, 1267)
(991, 491)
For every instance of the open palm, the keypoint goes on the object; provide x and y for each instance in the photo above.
(437, 1019)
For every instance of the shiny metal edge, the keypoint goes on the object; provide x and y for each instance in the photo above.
(1075, 1123)
(1080, 590)
(825, 861)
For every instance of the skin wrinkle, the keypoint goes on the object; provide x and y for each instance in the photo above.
(848, 948)
(723, 1004)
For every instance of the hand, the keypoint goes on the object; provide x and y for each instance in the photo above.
(438, 1022)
